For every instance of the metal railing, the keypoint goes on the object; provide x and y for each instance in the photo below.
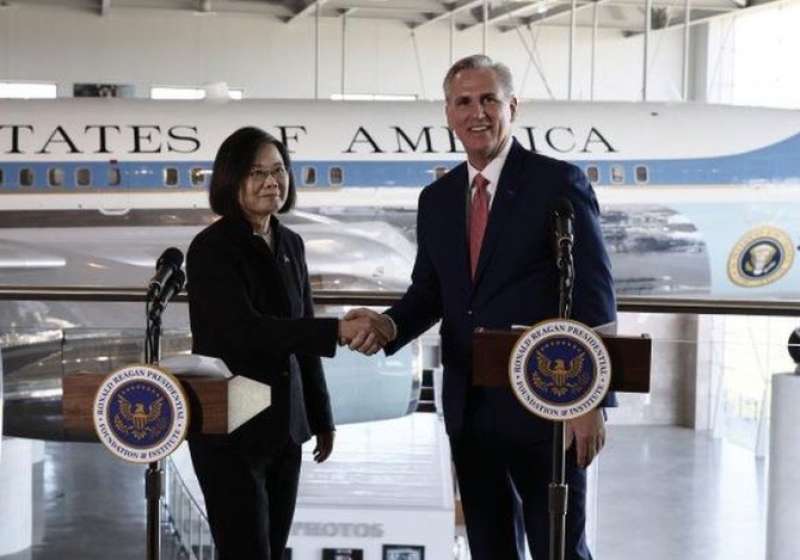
(186, 519)
(633, 304)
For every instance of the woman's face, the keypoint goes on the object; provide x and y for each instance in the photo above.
(264, 189)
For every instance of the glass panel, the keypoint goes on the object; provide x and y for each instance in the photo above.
(700, 432)
(1, 176)
(641, 174)
(593, 173)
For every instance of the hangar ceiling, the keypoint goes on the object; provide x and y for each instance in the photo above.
(627, 16)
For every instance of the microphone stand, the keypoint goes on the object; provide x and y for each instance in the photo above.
(558, 490)
(153, 475)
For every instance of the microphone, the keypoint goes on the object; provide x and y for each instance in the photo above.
(563, 237)
(563, 233)
(167, 265)
(172, 287)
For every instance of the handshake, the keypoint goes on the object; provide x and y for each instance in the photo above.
(366, 331)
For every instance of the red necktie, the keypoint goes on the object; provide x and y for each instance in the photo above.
(478, 216)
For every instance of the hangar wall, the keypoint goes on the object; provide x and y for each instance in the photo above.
(268, 58)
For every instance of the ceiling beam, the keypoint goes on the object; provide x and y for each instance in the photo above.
(455, 9)
(706, 17)
(309, 9)
(500, 14)
(726, 7)
(556, 11)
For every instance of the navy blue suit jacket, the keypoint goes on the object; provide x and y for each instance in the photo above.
(516, 281)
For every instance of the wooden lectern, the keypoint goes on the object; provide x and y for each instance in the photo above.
(630, 359)
(216, 405)
(630, 372)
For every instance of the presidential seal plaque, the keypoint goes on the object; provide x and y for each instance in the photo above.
(762, 256)
(141, 413)
(559, 369)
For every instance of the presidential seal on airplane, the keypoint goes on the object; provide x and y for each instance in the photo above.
(762, 256)
(560, 369)
(141, 413)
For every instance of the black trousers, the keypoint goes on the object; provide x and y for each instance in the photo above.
(503, 477)
(250, 499)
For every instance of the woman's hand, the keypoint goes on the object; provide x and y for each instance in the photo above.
(366, 331)
(324, 446)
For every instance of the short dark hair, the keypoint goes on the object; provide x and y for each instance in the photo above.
(476, 62)
(232, 165)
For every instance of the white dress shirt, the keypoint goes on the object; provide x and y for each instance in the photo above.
(491, 172)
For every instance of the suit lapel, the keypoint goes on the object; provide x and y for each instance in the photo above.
(501, 210)
(455, 231)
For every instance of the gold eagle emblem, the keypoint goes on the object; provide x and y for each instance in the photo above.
(556, 376)
(137, 420)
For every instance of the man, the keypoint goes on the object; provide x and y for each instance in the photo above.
(485, 259)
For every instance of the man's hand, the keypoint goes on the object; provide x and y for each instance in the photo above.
(366, 331)
(589, 433)
(324, 446)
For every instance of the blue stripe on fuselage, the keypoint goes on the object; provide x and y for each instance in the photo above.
(777, 163)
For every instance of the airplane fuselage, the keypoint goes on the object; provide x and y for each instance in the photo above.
(674, 180)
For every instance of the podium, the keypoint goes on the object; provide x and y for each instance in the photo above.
(630, 359)
(216, 405)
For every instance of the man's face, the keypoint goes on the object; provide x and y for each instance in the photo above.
(480, 114)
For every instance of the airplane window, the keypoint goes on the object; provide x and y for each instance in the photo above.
(593, 173)
(199, 176)
(617, 174)
(114, 176)
(336, 176)
(170, 176)
(1, 176)
(83, 177)
(439, 172)
(309, 176)
(26, 177)
(55, 177)
(641, 174)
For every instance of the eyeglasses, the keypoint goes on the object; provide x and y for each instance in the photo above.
(260, 175)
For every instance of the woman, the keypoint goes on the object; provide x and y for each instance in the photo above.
(250, 305)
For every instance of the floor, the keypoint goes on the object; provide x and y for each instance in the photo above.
(665, 493)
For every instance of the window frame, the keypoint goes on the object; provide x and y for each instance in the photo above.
(331, 170)
(304, 175)
(596, 170)
(167, 172)
(78, 182)
(646, 170)
(26, 172)
(617, 167)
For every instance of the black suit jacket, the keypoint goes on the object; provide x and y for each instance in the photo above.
(516, 281)
(253, 309)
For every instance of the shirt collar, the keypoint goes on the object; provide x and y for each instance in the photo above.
(491, 171)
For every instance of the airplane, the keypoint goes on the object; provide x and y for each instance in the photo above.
(696, 199)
